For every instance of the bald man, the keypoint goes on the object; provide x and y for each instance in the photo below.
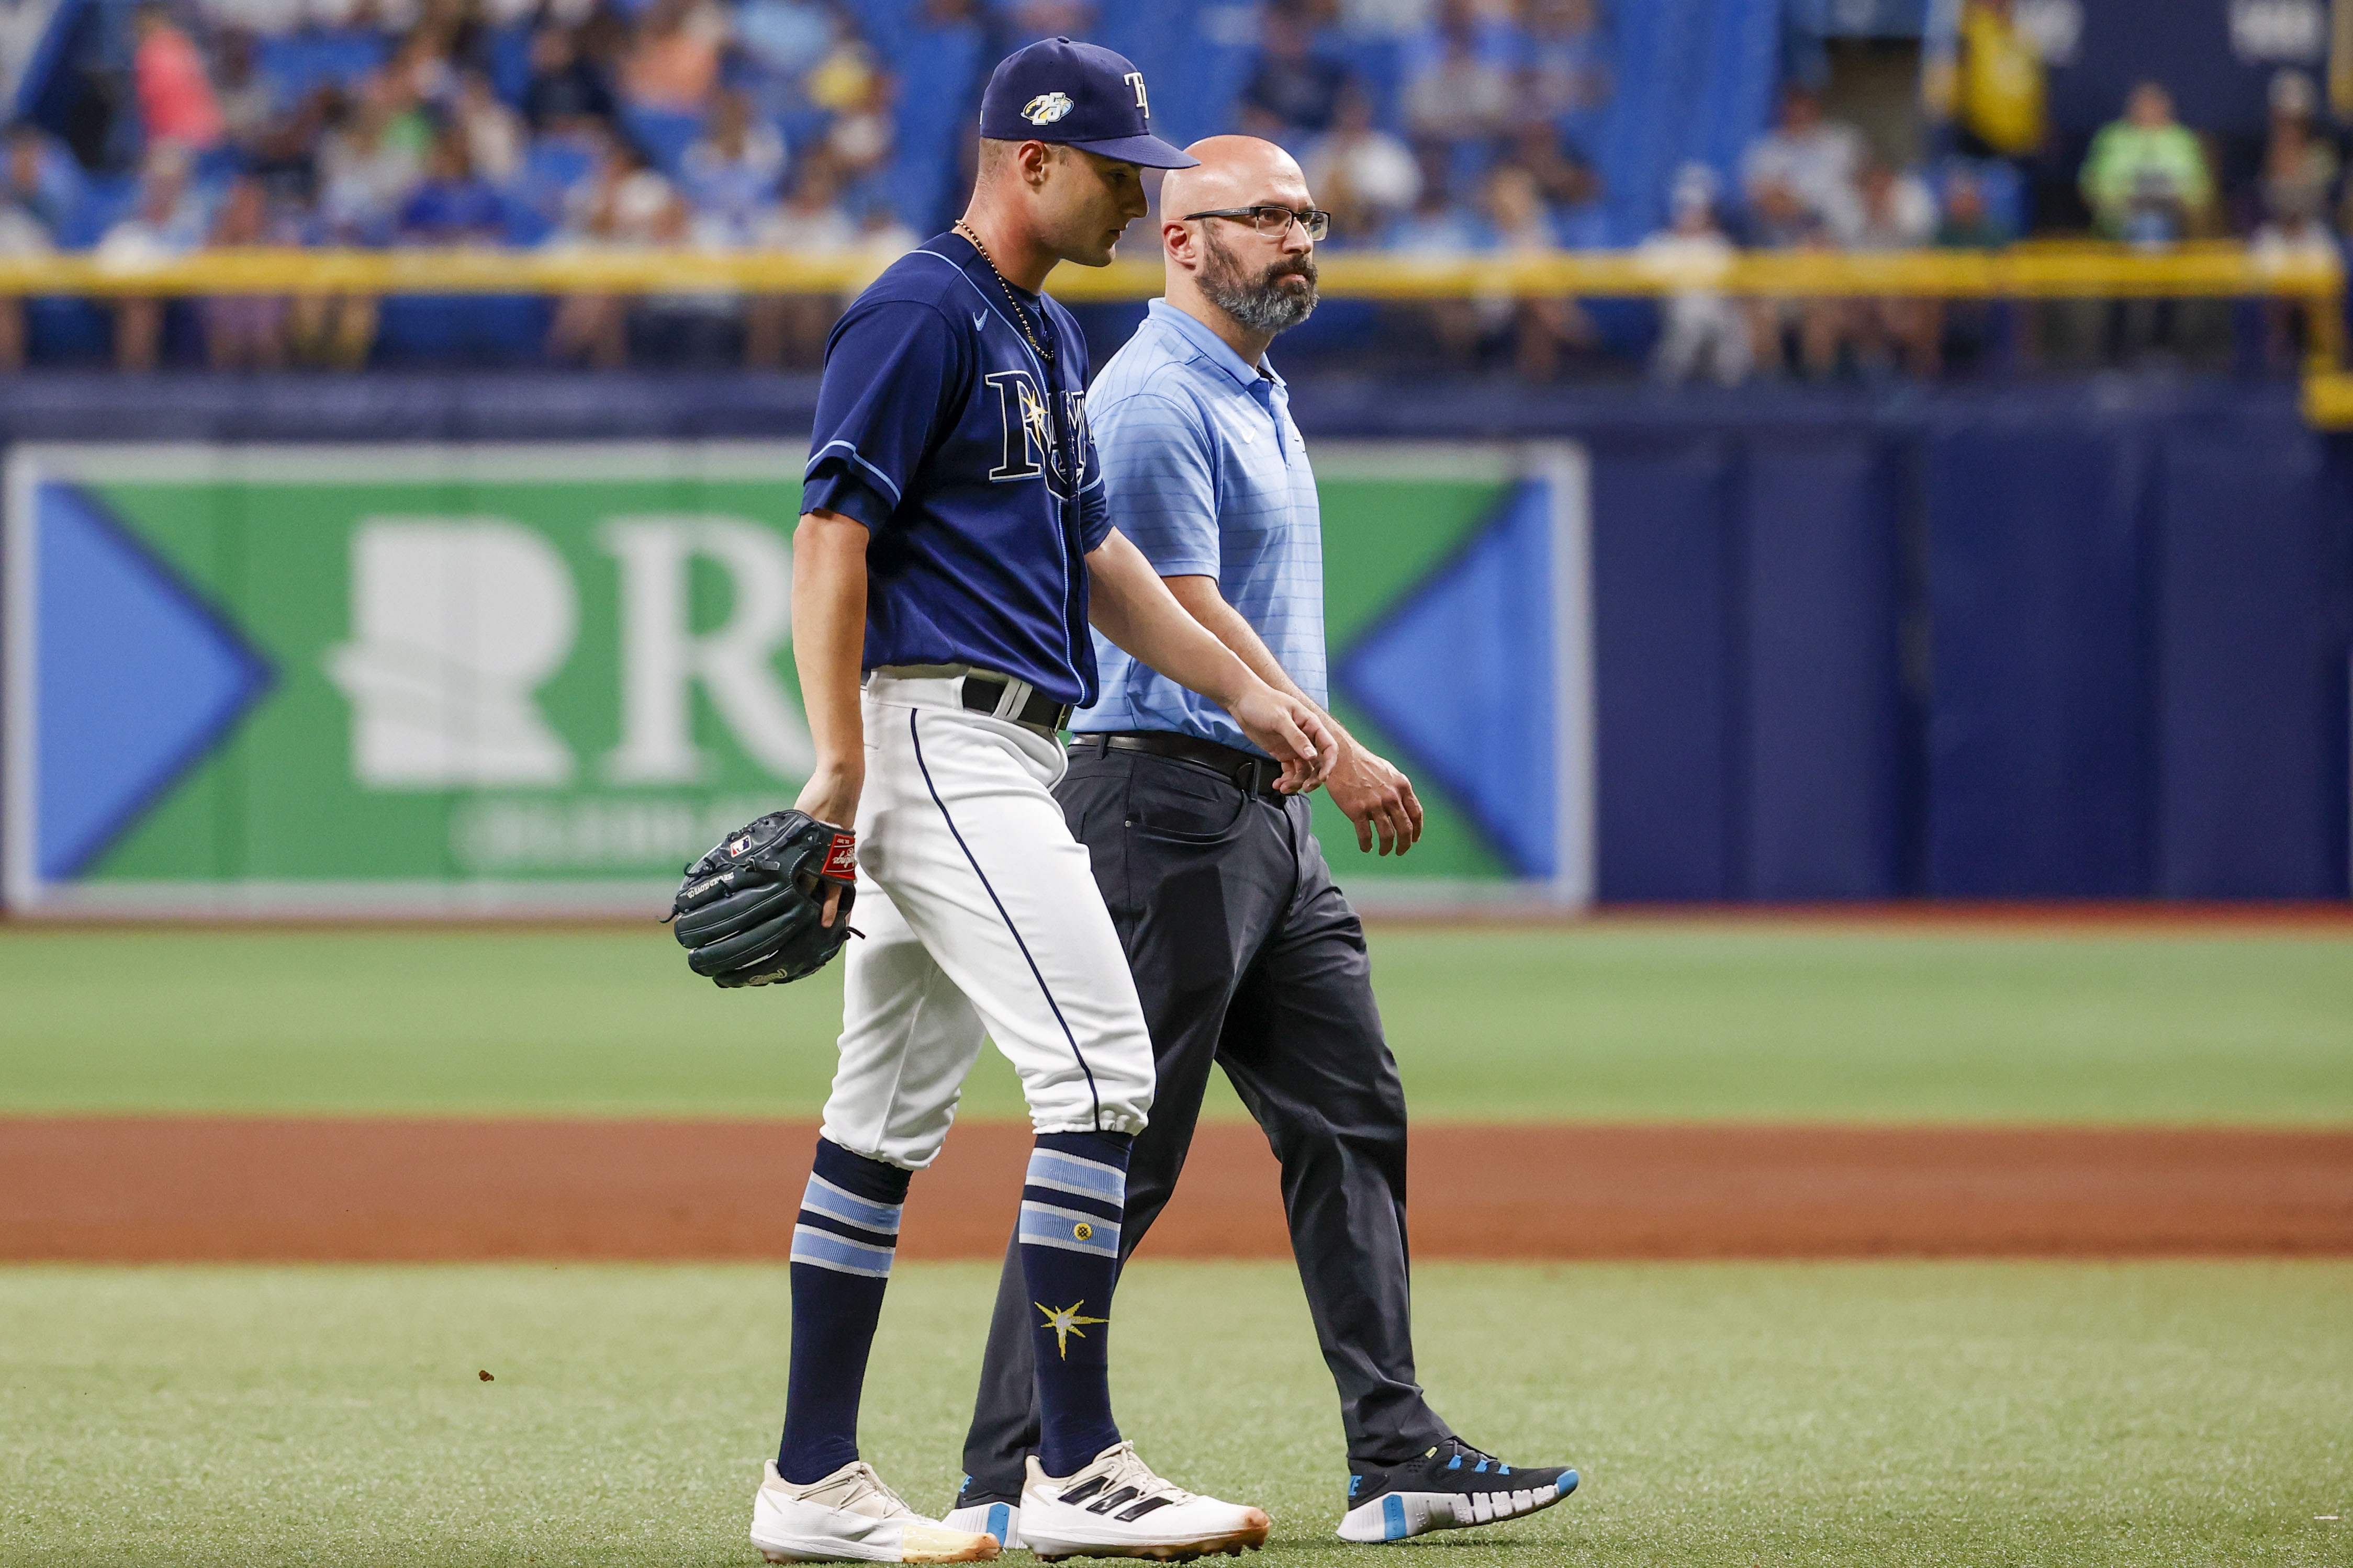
(1244, 952)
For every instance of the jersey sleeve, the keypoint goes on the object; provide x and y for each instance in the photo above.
(891, 372)
(1160, 482)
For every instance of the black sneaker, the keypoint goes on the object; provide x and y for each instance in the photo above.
(1451, 1485)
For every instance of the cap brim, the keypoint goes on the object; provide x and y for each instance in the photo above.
(1149, 151)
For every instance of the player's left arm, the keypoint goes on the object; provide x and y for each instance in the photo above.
(1129, 604)
(1371, 793)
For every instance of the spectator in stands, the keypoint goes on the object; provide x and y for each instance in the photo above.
(566, 95)
(1967, 221)
(1563, 177)
(1522, 226)
(285, 157)
(453, 205)
(167, 221)
(857, 90)
(244, 331)
(1566, 73)
(175, 97)
(692, 327)
(1365, 177)
(790, 329)
(674, 62)
(28, 219)
(785, 39)
(621, 206)
(1294, 90)
(369, 162)
(1460, 94)
(2146, 179)
(731, 174)
(1799, 177)
(249, 101)
(1702, 332)
(2299, 168)
(1996, 93)
(2299, 165)
(883, 237)
(495, 136)
(1896, 213)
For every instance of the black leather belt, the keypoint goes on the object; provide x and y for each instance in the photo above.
(1251, 773)
(986, 694)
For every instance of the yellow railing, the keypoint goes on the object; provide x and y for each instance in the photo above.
(2054, 270)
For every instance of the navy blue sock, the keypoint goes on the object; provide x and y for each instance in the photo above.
(1072, 1202)
(842, 1245)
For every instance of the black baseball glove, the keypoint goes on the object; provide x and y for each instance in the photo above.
(748, 914)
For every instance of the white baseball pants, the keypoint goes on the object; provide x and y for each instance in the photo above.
(980, 914)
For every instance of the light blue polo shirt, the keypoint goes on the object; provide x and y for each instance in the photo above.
(1206, 472)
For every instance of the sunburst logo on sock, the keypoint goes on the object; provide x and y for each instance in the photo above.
(1065, 1321)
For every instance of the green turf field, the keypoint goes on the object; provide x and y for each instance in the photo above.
(1684, 1020)
(1905, 1414)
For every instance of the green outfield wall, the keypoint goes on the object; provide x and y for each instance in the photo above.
(413, 678)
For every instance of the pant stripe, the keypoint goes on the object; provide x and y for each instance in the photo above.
(915, 734)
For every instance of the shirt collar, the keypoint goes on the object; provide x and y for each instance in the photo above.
(1216, 348)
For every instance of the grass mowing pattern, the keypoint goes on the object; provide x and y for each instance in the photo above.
(1698, 1020)
(1905, 1414)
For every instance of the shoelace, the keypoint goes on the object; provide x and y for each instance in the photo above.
(1130, 1471)
(866, 1473)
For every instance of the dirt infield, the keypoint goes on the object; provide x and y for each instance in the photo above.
(142, 1189)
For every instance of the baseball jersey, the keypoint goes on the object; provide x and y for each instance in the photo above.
(1208, 477)
(967, 454)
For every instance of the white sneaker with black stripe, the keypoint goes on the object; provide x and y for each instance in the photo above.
(1451, 1487)
(852, 1516)
(1115, 1507)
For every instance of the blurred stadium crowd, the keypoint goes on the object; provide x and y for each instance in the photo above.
(827, 127)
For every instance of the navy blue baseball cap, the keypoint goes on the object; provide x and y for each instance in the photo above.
(1083, 94)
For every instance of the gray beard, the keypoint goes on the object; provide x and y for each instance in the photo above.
(1268, 305)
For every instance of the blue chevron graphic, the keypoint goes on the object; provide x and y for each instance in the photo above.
(137, 680)
(1461, 671)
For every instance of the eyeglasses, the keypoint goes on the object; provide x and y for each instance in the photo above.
(1275, 222)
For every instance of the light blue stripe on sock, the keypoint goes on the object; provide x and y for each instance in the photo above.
(824, 1249)
(1042, 1224)
(849, 1208)
(1061, 1173)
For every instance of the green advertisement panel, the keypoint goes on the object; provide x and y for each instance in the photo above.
(501, 679)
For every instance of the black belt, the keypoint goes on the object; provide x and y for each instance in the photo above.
(984, 693)
(1250, 772)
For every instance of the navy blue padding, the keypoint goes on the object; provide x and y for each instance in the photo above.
(1824, 761)
(1663, 676)
(2252, 584)
(2037, 740)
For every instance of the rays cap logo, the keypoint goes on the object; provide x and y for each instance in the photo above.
(1082, 94)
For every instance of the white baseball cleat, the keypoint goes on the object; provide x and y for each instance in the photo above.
(1115, 1507)
(852, 1516)
(1001, 1519)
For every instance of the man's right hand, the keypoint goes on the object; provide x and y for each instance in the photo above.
(1289, 730)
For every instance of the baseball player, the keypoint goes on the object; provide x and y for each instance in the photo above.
(954, 548)
(1244, 952)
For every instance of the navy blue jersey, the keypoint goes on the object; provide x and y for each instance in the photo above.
(940, 429)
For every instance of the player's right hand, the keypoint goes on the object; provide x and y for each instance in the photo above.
(1291, 732)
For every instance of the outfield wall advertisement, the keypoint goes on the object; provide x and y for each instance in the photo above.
(479, 678)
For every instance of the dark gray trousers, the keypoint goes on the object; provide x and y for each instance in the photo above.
(1246, 955)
